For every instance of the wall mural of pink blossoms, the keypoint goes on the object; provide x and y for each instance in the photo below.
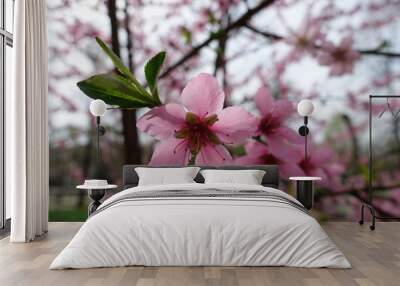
(246, 63)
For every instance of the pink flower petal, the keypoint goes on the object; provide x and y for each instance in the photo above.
(320, 156)
(283, 109)
(346, 43)
(329, 47)
(264, 100)
(325, 59)
(255, 147)
(162, 122)
(248, 160)
(234, 125)
(254, 153)
(289, 134)
(203, 96)
(318, 173)
(287, 170)
(213, 155)
(171, 152)
(353, 55)
(282, 150)
(337, 69)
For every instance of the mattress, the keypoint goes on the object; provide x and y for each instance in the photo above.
(201, 225)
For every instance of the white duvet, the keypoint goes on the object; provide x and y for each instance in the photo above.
(200, 231)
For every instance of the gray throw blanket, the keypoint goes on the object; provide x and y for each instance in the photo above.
(206, 194)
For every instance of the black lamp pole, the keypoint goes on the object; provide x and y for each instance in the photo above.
(303, 131)
(100, 131)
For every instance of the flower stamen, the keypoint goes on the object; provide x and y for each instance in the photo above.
(196, 132)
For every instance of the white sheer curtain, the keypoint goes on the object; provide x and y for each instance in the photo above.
(27, 156)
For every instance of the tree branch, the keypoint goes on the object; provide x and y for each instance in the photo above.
(379, 53)
(268, 35)
(357, 194)
(327, 193)
(234, 25)
(275, 37)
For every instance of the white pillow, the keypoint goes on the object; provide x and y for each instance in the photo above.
(163, 176)
(248, 177)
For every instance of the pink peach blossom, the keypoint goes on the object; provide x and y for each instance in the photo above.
(319, 163)
(287, 159)
(199, 128)
(273, 116)
(306, 38)
(224, 5)
(339, 58)
(80, 30)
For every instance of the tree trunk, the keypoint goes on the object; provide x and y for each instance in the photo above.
(87, 159)
(112, 13)
(129, 40)
(132, 148)
(220, 61)
(131, 142)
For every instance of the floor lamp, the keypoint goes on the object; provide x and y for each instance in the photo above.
(98, 108)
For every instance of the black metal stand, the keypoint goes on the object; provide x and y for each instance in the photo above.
(370, 171)
(305, 193)
(100, 131)
(372, 211)
(96, 195)
(304, 131)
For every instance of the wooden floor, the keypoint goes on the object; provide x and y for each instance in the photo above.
(375, 257)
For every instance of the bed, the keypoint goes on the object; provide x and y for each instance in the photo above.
(197, 224)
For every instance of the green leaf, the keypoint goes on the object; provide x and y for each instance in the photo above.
(119, 65)
(116, 60)
(151, 71)
(114, 89)
(237, 150)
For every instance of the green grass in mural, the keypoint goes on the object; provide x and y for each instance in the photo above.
(68, 215)
(67, 204)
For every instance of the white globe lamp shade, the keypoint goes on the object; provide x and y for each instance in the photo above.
(305, 107)
(98, 107)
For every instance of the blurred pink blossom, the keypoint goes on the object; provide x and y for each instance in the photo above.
(224, 5)
(306, 38)
(356, 182)
(259, 153)
(320, 163)
(199, 127)
(272, 122)
(339, 58)
(80, 30)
